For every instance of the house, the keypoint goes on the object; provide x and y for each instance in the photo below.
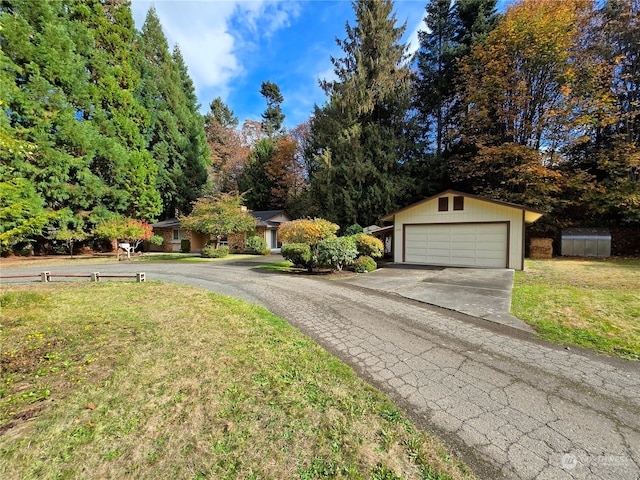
(173, 234)
(267, 223)
(462, 230)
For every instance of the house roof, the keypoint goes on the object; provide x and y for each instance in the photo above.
(169, 223)
(263, 216)
(266, 215)
(380, 230)
(531, 215)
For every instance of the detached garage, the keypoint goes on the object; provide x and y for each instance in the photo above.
(461, 230)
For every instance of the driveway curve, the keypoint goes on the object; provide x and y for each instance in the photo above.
(513, 407)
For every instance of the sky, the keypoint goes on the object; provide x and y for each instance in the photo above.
(232, 46)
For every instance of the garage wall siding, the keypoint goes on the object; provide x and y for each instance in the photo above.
(475, 211)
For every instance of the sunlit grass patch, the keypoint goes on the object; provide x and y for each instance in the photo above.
(284, 266)
(159, 381)
(188, 257)
(591, 303)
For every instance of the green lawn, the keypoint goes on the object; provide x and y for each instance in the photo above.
(593, 303)
(284, 266)
(188, 257)
(156, 381)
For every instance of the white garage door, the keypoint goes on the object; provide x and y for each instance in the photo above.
(464, 245)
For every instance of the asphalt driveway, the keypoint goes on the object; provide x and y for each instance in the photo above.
(511, 406)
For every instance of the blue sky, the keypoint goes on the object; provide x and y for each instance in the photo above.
(231, 47)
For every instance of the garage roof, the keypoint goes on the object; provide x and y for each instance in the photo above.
(530, 214)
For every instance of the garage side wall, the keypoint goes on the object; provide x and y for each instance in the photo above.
(474, 211)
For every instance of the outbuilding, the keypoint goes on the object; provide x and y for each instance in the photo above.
(462, 230)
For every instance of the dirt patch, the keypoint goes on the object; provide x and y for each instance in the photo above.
(20, 418)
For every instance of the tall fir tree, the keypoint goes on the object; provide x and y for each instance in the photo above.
(453, 28)
(175, 136)
(435, 64)
(254, 182)
(123, 161)
(358, 140)
(70, 95)
(272, 117)
(197, 154)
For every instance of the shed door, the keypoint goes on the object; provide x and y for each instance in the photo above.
(461, 245)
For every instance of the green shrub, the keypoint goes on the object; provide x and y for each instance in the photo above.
(210, 251)
(364, 264)
(266, 251)
(256, 244)
(185, 245)
(353, 229)
(335, 253)
(299, 254)
(368, 245)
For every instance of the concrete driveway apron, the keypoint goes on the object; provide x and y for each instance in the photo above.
(482, 293)
(511, 406)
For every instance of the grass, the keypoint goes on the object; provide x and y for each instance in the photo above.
(284, 266)
(592, 303)
(157, 381)
(187, 257)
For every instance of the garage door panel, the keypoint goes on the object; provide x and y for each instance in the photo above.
(479, 245)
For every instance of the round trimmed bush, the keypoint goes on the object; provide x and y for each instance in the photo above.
(337, 252)
(210, 251)
(364, 264)
(256, 244)
(369, 245)
(299, 254)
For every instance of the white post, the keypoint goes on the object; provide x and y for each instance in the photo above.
(44, 277)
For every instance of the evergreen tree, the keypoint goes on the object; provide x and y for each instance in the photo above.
(273, 117)
(474, 20)
(358, 140)
(254, 181)
(122, 159)
(453, 28)
(175, 136)
(435, 60)
(196, 151)
(42, 72)
(62, 96)
(221, 113)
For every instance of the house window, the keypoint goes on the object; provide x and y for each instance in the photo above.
(177, 235)
(458, 203)
(443, 204)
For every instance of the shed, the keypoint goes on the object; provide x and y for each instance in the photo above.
(586, 242)
(462, 230)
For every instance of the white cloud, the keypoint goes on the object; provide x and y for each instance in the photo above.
(212, 34)
(413, 41)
